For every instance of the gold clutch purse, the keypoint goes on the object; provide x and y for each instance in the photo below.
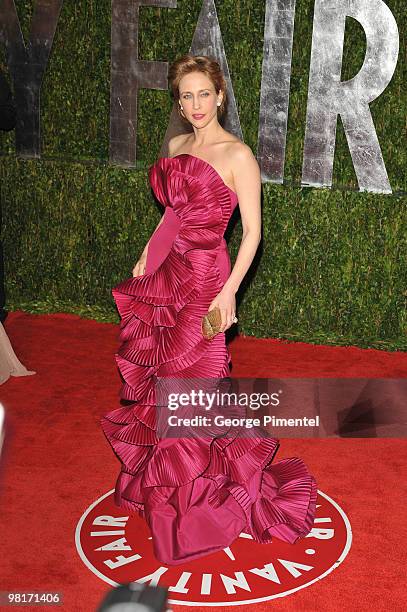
(211, 323)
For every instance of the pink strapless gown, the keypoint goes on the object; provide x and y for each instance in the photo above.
(196, 494)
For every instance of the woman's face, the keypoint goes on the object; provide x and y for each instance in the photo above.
(198, 98)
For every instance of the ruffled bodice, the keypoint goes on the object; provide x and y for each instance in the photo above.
(197, 494)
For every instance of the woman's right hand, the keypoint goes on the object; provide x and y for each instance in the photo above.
(140, 266)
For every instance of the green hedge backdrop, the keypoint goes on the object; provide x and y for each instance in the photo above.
(331, 266)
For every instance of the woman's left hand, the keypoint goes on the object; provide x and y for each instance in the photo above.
(226, 301)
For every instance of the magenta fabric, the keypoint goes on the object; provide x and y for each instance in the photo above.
(196, 494)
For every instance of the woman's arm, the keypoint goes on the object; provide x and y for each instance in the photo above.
(247, 180)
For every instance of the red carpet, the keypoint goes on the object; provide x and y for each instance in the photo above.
(56, 462)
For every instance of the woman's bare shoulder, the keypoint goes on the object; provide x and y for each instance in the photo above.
(241, 158)
(239, 151)
(177, 143)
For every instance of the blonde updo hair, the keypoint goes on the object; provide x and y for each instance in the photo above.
(196, 63)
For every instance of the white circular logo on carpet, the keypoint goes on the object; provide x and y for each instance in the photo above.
(118, 548)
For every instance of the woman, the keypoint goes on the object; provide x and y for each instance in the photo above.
(10, 365)
(197, 493)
